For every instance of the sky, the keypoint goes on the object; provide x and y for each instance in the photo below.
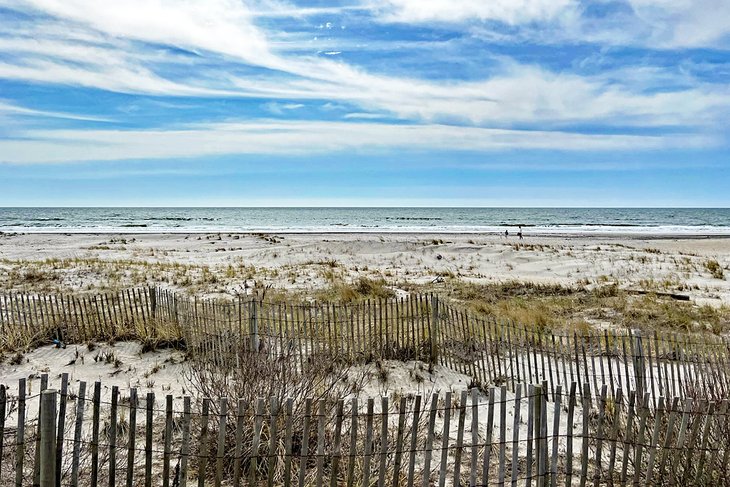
(365, 103)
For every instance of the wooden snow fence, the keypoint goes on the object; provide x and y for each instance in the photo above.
(71, 434)
(420, 327)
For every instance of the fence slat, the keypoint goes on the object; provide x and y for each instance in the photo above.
(557, 394)
(113, 438)
(398, 444)
(205, 447)
(273, 439)
(149, 405)
(238, 453)
(516, 435)
(474, 437)
(20, 435)
(569, 437)
(667, 439)
(460, 439)
(414, 442)
(599, 442)
(445, 436)
(168, 442)
(502, 433)
(383, 440)
(131, 448)
(488, 441)
(48, 458)
(81, 397)
(3, 404)
(289, 411)
(221, 444)
(658, 416)
(353, 442)
(305, 441)
(337, 453)
(185, 446)
(428, 447)
(95, 420)
(321, 418)
(37, 459)
(617, 403)
(627, 438)
(638, 465)
(584, 436)
(681, 438)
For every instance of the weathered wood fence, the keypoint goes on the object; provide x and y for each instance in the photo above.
(75, 436)
(416, 328)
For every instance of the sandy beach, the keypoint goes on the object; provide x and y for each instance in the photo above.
(582, 283)
(232, 263)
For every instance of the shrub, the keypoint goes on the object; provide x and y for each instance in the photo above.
(715, 269)
(253, 376)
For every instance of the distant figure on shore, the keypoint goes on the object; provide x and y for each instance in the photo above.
(519, 232)
(506, 234)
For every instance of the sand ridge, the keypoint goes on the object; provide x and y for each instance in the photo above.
(301, 261)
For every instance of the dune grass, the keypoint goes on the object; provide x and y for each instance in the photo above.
(554, 307)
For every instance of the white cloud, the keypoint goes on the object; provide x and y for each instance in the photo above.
(685, 23)
(300, 138)
(222, 26)
(364, 116)
(120, 78)
(13, 109)
(507, 11)
(664, 24)
(122, 46)
(281, 108)
(520, 94)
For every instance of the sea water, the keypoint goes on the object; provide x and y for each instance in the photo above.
(649, 221)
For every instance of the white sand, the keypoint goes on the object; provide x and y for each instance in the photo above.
(309, 261)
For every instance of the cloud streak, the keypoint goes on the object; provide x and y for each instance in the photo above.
(307, 138)
(511, 12)
(222, 50)
(110, 57)
(12, 109)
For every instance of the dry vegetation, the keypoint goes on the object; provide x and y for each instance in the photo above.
(585, 307)
(593, 284)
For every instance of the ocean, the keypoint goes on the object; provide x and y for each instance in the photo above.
(536, 221)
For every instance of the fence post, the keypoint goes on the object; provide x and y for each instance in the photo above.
(48, 439)
(152, 292)
(433, 332)
(3, 401)
(537, 411)
(254, 323)
(639, 367)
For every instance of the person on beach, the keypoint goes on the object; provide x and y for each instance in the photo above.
(519, 232)
(506, 234)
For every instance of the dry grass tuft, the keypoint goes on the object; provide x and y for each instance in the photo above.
(714, 268)
(363, 288)
(553, 307)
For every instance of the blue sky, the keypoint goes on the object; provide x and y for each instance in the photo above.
(370, 102)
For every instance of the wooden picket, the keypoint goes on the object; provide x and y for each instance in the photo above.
(419, 327)
(679, 442)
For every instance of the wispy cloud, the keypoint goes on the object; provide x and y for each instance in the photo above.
(307, 138)
(222, 50)
(507, 11)
(13, 109)
(665, 24)
(118, 48)
(281, 108)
